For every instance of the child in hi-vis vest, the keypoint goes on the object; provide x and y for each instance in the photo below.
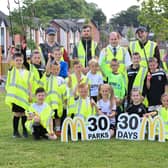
(84, 107)
(40, 122)
(163, 112)
(18, 88)
(56, 93)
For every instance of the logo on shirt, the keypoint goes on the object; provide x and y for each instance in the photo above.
(159, 78)
(139, 110)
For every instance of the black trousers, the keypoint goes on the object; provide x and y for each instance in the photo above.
(39, 131)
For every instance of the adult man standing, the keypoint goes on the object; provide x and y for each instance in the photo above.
(49, 45)
(146, 48)
(114, 50)
(86, 48)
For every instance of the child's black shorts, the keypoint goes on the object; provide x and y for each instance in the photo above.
(16, 108)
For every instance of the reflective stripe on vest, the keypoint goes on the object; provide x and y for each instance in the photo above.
(120, 56)
(43, 62)
(17, 93)
(45, 116)
(149, 50)
(18, 98)
(51, 92)
(79, 105)
(36, 77)
(139, 79)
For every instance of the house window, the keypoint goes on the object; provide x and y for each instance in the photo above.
(2, 40)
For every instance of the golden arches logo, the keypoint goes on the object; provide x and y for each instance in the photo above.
(154, 125)
(74, 125)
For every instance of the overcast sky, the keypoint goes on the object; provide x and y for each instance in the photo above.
(109, 7)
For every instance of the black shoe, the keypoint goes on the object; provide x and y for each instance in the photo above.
(16, 135)
(25, 134)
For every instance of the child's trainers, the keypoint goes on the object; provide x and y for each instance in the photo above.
(16, 135)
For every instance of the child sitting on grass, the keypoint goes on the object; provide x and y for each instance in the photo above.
(40, 122)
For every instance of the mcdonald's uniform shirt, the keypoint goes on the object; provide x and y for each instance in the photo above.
(151, 50)
(118, 85)
(17, 87)
(70, 96)
(85, 50)
(45, 113)
(164, 115)
(138, 109)
(157, 84)
(56, 92)
(106, 109)
(95, 81)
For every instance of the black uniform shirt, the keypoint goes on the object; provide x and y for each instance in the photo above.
(157, 84)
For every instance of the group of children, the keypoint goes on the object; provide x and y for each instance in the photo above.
(44, 96)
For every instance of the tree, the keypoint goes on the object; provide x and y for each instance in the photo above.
(99, 17)
(47, 10)
(128, 17)
(154, 14)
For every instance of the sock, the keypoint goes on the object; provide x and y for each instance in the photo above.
(15, 123)
(24, 118)
(58, 128)
(54, 125)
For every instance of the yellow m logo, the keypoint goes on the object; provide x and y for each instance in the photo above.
(153, 124)
(74, 124)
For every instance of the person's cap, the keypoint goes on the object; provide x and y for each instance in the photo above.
(50, 31)
(141, 28)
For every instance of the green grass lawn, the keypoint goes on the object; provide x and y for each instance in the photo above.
(27, 153)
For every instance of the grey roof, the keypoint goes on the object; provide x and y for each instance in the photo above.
(3, 18)
(66, 24)
(72, 24)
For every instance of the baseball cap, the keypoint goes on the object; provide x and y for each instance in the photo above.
(141, 28)
(51, 30)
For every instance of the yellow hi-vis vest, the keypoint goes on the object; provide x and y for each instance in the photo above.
(163, 55)
(43, 62)
(55, 94)
(164, 114)
(81, 51)
(37, 82)
(17, 88)
(106, 63)
(140, 78)
(70, 96)
(149, 50)
(45, 116)
(82, 108)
